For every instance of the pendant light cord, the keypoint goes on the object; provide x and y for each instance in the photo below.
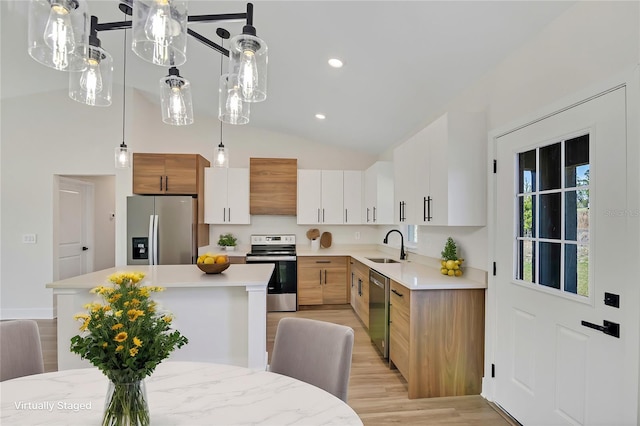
(124, 81)
(221, 59)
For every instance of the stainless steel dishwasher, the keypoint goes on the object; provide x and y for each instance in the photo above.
(379, 311)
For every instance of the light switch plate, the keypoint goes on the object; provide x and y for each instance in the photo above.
(29, 238)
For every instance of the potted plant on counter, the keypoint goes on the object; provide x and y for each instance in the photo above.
(227, 241)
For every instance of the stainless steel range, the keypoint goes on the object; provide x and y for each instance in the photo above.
(283, 286)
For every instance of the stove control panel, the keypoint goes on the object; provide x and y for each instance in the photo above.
(273, 239)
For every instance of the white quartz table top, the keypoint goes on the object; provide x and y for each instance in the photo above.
(179, 393)
(236, 275)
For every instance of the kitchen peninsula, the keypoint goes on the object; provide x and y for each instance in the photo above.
(223, 315)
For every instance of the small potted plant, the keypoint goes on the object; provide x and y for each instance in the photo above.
(228, 241)
(450, 263)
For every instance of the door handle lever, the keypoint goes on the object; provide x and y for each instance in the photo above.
(608, 327)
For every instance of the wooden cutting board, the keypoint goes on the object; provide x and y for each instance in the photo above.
(325, 240)
(313, 233)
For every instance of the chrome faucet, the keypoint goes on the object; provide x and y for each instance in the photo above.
(403, 255)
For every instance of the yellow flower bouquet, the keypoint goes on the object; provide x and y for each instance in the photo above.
(126, 337)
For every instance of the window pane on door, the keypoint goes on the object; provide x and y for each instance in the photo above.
(577, 216)
(527, 218)
(527, 171)
(550, 215)
(577, 161)
(550, 264)
(527, 256)
(550, 161)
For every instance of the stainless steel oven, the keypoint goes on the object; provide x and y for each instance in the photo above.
(283, 285)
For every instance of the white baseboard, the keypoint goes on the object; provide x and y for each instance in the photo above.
(488, 388)
(26, 313)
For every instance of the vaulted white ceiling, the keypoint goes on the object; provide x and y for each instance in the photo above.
(404, 60)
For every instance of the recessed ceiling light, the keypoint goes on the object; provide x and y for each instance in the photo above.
(335, 62)
(320, 116)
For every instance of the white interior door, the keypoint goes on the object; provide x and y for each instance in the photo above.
(74, 252)
(561, 241)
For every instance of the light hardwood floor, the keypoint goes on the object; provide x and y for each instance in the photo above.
(376, 393)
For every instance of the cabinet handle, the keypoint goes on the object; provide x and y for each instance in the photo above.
(160, 183)
(325, 276)
(229, 215)
(320, 276)
(424, 210)
(396, 293)
(318, 215)
(429, 208)
(367, 214)
(322, 215)
(346, 217)
(374, 214)
(323, 261)
(166, 183)
(224, 214)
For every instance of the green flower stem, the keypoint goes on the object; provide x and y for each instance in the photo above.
(126, 405)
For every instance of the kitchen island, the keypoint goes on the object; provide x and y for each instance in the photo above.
(223, 315)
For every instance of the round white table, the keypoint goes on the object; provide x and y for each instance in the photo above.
(179, 393)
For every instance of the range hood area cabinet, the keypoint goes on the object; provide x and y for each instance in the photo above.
(331, 197)
(440, 173)
(273, 186)
(173, 174)
(227, 196)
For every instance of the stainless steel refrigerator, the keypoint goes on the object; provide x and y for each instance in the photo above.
(161, 230)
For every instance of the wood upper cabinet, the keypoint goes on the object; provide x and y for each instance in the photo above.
(436, 340)
(176, 174)
(173, 174)
(273, 186)
(322, 280)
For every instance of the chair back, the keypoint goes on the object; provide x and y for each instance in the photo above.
(20, 349)
(316, 352)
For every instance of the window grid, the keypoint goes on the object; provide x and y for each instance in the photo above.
(535, 239)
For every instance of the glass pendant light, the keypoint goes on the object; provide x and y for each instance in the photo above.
(231, 108)
(122, 154)
(221, 158)
(177, 108)
(92, 86)
(248, 60)
(58, 33)
(160, 31)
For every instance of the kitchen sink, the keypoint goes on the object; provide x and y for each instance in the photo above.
(381, 260)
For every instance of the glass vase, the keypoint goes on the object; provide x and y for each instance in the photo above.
(126, 405)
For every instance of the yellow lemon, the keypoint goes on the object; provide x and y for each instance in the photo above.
(443, 263)
(458, 273)
(451, 272)
(444, 271)
(450, 264)
(210, 260)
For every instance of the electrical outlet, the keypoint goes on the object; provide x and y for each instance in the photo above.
(357, 235)
(29, 238)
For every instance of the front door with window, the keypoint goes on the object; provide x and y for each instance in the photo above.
(562, 242)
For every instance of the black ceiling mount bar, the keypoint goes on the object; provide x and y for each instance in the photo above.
(208, 42)
(125, 6)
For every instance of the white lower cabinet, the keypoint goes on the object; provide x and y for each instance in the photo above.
(226, 198)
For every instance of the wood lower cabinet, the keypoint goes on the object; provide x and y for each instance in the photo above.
(436, 340)
(322, 280)
(360, 286)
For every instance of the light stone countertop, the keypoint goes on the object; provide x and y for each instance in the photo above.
(179, 393)
(236, 275)
(411, 274)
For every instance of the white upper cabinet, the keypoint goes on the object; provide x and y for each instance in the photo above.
(320, 195)
(447, 163)
(352, 197)
(331, 197)
(378, 190)
(227, 196)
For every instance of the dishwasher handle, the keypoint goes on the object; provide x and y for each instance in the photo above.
(376, 282)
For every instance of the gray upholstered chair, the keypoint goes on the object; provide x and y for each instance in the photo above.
(315, 352)
(20, 349)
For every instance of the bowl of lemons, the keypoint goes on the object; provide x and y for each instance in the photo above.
(210, 263)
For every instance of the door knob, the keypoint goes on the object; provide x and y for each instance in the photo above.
(85, 248)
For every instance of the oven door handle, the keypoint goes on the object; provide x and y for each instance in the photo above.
(270, 258)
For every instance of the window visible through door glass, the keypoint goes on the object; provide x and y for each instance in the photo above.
(553, 215)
